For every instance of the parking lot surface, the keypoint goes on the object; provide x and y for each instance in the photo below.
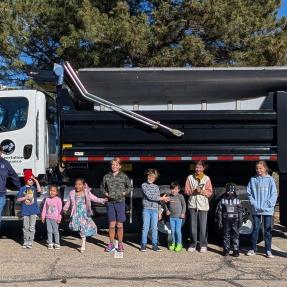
(69, 267)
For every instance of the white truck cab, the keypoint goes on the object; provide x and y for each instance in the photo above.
(28, 130)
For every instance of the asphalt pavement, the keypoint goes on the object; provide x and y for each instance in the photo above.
(94, 267)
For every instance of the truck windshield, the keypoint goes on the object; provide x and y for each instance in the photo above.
(13, 113)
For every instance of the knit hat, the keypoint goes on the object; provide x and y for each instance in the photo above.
(28, 174)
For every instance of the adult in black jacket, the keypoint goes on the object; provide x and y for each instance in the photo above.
(6, 170)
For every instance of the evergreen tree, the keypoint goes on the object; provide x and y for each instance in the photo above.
(94, 33)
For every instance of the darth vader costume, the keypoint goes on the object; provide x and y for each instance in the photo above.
(229, 217)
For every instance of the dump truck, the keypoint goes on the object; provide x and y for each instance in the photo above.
(163, 118)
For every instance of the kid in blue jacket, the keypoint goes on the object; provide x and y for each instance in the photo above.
(262, 194)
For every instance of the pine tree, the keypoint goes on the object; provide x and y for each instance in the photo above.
(94, 33)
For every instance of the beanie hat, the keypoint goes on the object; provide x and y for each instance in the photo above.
(28, 174)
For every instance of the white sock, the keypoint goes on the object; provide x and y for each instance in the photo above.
(83, 242)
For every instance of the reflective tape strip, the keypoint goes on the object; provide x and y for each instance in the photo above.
(238, 157)
(160, 158)
(135, 158)
(173, 158)
(147, 158)
(212, 158)
(201, 157)
(186, 158)
(95, 158)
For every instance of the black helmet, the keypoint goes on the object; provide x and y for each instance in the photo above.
(230, 188)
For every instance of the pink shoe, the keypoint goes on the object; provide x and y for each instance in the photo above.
(120, 247)
(110, 247)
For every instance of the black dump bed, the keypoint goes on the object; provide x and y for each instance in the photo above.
(206, 132)
(210, 133)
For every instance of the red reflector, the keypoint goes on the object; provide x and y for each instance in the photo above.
(225, 157)
(173, 158)
(273, 157)
(147, 158)
(195, 158)
(96, 158)
(251, 157)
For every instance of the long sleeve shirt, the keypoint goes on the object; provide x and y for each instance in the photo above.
(176, 206)
(52, 208)
(89, 198)
(116, 186)
(196, 200)
(151, 195)
(6, 171)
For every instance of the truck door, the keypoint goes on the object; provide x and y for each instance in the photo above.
(17, 128)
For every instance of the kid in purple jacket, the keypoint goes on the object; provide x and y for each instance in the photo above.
(80, 201)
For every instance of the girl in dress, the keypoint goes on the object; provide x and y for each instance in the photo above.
(80, 200)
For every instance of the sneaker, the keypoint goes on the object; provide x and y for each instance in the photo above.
(203, 249)
(120, 247)
(50, 246)
(110, 247)
(178, 248)
(225, 252)
(171, 247)
(191, 249)
(57, 246)
(250, 253)
(156, 248)
(143, 248)
(269, 254)
(24, 246)
(29, 246)
(235, 253)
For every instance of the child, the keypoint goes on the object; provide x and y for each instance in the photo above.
(175, 209)
(262, 194)
(115, 187)
(29, 209)
(80, 200)
(229, 217)
(52, 214)
(198, 187)
(151, 200)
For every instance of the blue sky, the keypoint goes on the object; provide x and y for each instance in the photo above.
(283, 9)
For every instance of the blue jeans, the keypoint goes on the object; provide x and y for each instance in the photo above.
(150, 219)
(52, 228)
(175, 226)
(2, 204)
(267, 223)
